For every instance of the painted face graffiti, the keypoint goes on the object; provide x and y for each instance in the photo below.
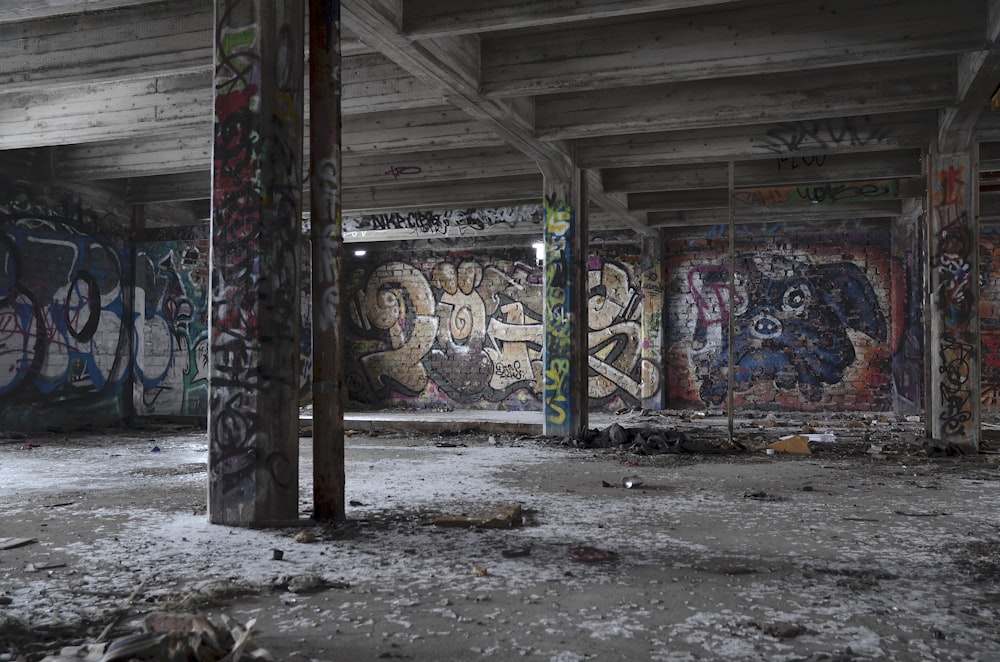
(791, 323)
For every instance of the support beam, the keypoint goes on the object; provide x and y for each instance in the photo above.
(256, 206)
(952, 308)
(329, 393)
(848, 91)
(790, 36)
(564, 354)
(430, 18)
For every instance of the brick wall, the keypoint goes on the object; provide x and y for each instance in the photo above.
(461, 327)
(171, 313)
(813, 318)
(64, 338)
(989, 315)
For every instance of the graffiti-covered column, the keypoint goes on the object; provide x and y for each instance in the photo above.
(653, 277)
(953, 353)
(565, 353)
(327, 259)
(256, 209)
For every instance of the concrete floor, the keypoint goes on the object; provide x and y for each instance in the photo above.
(839, 555)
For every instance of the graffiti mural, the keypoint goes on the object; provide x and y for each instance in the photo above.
(452, 222)
(811, 320)
(62, 336)
(171, 322)
(470, 332)
(989, 316)
(792, 320)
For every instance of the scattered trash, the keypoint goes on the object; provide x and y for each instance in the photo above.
(356, 504)
(797, 444)
(307, 583)
(479, 571)
(304, 537)
(31, 567)
(913, 514)
(631, 481)
(154, 449)
(501, 518)
(942, 448)
(277, 554)
(28, 447)
(516, 553)
(174, 637)
(781, 630)
(589, 554)
(760, 495)
(14, 543)
(698, 415)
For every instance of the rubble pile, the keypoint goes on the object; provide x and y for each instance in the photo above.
(174, 638)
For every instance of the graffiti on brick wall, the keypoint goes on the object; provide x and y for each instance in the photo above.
(62, 337)
(451, 222)
(464, 332)
(884, 189)
(989, 315)
(952, 264)
(171, 322)
(791, 320)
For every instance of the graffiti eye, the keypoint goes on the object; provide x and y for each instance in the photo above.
(796, 297)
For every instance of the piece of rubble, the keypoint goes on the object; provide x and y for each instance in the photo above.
(174, 638)
(797, 444)
(506, 517)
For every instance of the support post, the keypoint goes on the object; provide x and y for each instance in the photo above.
(328, 341)
(653, 284)
(131, 300)
(565, 356)
(256, 211)
(953, 350)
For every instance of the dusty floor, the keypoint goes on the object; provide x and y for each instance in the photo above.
(845, 554)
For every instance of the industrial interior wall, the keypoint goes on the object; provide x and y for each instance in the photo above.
(818, 314)
(65, 347)
(989, 315)
(457, 324)
(171, 321)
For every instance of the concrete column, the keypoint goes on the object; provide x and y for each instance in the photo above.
(565, 355)
(908, 321)
(327, 260)
(953, 351)
(256, 211)
(653, 279)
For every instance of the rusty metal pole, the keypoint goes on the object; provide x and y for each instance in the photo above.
(732, 298)
(328, 344)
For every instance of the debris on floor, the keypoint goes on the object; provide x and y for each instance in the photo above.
(796, 444)
(590, 554)
(506, 517)
(170, 637)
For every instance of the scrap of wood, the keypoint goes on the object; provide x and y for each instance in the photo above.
(13, 543)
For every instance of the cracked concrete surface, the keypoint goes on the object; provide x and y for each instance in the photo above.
(839, 555)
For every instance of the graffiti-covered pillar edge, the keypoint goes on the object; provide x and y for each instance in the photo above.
(953, 351)
(256, 207)
(565, 356)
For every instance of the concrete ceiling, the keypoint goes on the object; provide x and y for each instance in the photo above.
(451, 103)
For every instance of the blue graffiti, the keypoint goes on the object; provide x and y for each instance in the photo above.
(791, 322)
